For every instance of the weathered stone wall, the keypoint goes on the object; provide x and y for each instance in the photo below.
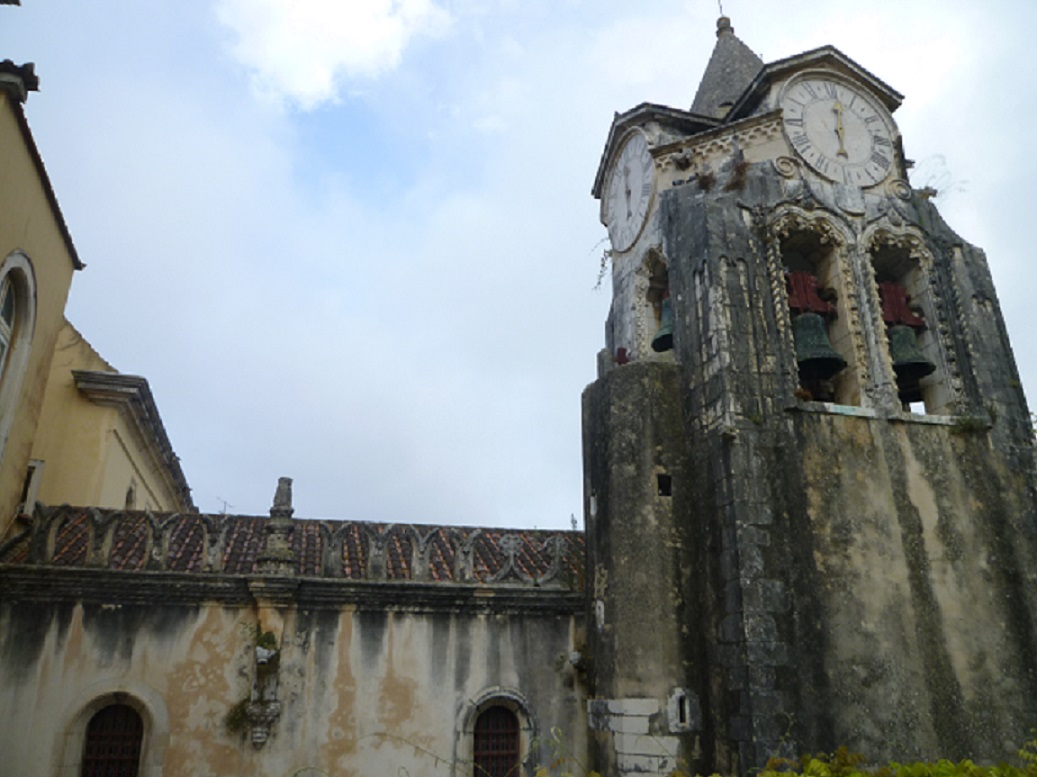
(639, 540)
(373, 678)
(845, 574)
(921, 586)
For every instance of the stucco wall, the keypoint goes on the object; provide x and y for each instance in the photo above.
(92, 453)
(29, 224)
(363, 690)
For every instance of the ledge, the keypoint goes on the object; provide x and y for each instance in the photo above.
(26, 584)
(973, 422)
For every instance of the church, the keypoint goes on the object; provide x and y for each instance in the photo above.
(810, 507)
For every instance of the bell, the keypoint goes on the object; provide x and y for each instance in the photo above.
(663, 340)
(814, 353)
(909, 363)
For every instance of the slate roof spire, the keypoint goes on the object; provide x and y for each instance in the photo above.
(731, 68)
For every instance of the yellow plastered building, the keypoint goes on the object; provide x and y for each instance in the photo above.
(37, 259)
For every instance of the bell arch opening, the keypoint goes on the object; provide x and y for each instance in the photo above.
(821, 324)
(912, 346)
(657, 296)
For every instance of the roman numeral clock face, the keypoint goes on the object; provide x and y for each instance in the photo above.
(838, 131)
(630, 192)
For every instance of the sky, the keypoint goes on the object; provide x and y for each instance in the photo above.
(352, 241)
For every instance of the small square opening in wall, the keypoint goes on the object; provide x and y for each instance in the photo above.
(664, 484)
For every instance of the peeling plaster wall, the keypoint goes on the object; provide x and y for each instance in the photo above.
(363, 691)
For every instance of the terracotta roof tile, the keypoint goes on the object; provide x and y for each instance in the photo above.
(243, 540)
(72, 541)
(206, 544)
(130, 543)
(186, 545)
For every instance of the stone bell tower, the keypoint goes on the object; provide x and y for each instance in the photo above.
(809, 474)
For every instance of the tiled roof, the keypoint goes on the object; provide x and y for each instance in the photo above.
(223, 544)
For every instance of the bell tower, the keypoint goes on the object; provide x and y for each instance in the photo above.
(810, 500)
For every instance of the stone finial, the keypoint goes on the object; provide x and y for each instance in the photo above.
(18, 80)
(724, 25)
(278, 558)
(282, 507)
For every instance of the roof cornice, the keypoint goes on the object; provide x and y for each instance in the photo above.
(132, 394)
(674, 118)
(37, 160)
(825, 55)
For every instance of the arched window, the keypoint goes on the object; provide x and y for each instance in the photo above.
(113, 741)
(17, 321)
(8, 307)
(497, 743)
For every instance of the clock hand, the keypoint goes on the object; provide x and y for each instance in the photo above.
(626, 188)
(839, 129)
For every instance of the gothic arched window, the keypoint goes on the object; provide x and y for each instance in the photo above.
(113, 741)
(17, 321)
(496, 746)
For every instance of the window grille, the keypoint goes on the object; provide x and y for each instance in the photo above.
(497, 743)
(113, 739)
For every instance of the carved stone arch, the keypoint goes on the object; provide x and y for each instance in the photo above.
(908, 237)
(468, 714)
(651, 285)
(821, 243)
(902, 254)
(831, 227)
(143, 699)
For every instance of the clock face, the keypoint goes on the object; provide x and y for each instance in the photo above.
(837, 130)
(629, 192)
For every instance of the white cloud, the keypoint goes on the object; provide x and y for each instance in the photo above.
(299, 50)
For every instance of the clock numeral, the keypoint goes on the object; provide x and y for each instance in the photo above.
(871, 119)
(794, 122)
(646, 188)
(830, 90)
(822, 164)
(880, 160)
(809, 89)
(801, 141)
(882, 140)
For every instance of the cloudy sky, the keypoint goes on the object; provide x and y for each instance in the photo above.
(352, 241)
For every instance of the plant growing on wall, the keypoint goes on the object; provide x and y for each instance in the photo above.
(258, 711)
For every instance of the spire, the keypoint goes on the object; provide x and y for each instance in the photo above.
(730, 70)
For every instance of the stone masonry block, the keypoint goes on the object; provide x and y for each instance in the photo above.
(645, 766)
(643, 744)
(633, 706)
(628, 724)
(769, 653)
(760, 628)
(765, 596)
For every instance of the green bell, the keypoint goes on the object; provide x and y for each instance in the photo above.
(814, 353)
(663, 340)
(909, 364)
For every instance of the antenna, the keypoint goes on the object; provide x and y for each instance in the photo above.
(226, 504)
(720, 5)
